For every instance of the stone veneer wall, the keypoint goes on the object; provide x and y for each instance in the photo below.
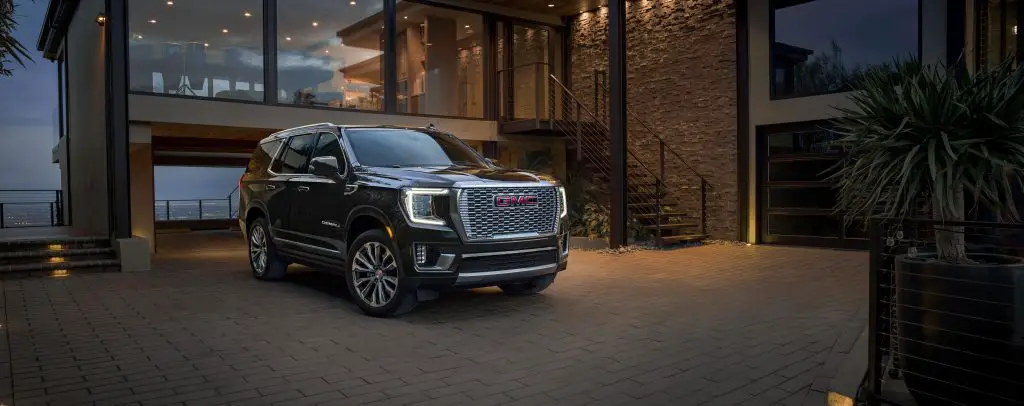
(681, 82)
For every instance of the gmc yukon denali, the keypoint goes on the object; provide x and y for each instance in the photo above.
(402, 213)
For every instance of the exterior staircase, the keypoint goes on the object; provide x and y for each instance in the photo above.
(668, 209)
(56, 256)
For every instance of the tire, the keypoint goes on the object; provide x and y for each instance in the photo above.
(530, 287)
(264, 261)
(372, 271)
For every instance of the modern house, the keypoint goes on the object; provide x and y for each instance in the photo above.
(721, 110)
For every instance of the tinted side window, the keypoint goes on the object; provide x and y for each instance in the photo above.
(295, 155)
(328, 145)
(262, 156)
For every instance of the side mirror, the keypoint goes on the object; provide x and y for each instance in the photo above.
(326, 166)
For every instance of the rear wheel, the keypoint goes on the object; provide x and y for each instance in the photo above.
(263, 259)
(530, 287)
(375, 279)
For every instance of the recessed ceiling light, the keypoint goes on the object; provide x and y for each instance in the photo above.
(467, 26)
(327, 51)
(352, 3)
(152, 21)
(287, 38)
(406, 17)
(206, 44)
(224, 30)
(551, 5)
(247, 14)
(170, 3)
(316, 24)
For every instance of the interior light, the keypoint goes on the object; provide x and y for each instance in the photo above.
(170, 3)
(287, 38)
(406, 17)
(152, 21)
(352, 3)
(467, 26)
(1015, 30)
(225, 30)
(247, 14)
(316, 24)
(206, 44)
(551, 5)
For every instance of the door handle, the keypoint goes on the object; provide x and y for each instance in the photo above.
(271, 187)
(303, 188)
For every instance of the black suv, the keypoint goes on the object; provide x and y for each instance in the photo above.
(402, 213)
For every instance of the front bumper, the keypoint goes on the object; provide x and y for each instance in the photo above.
(479, 264)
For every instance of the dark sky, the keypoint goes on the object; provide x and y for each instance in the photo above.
(869, 31)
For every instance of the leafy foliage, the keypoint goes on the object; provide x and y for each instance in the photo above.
(922, 137)
(11, 51)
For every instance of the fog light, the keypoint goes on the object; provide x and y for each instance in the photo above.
(421, 254)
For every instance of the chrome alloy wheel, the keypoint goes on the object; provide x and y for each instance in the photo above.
(375, 274)
(258, 249)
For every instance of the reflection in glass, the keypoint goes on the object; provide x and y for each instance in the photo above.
(440, 61)
(197, 48)
(330, 53)
(530, 56)
(826, 46)
(1000, 42)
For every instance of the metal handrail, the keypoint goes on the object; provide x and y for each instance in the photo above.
(650, 131)
(53, 206)
(166, 204)
(628, 150)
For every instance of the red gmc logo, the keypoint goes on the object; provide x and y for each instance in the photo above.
(515, 201)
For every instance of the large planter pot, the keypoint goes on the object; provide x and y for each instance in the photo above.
(961, 329)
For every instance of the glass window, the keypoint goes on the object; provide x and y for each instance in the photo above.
(440, 61)
(529, 79)
(998, 40)
(397, 148)
(330, 53)
(295, 155)
(197, 48)
(825, 46)
(262, 156)
(329, 146)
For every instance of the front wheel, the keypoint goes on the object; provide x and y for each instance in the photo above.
(263, 259)
(530, 287)
(374, 277)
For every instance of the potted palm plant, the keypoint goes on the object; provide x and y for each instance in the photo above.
(923, 139)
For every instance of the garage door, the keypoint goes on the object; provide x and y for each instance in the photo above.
(795, 202)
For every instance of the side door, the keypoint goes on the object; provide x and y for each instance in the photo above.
(290, 162)
(321, 205)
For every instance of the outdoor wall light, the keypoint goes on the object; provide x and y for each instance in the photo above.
(101, 19)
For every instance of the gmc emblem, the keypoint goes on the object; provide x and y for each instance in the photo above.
(515, 201)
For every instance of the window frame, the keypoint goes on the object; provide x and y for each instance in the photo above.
(270, 49)
(344, 152)
(283, 149)
(777, 4)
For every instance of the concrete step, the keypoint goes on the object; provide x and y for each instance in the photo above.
(90, 265)
(56, 255)
(52, 243)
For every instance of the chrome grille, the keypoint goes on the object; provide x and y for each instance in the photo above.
(483, 220)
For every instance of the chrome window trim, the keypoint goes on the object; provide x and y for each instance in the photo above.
(513, 252)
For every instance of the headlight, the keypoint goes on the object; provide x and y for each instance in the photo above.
(564, 202)
(419, 205)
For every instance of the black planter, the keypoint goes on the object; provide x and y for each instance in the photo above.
(961, 338)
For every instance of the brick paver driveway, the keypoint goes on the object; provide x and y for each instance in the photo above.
(717, 324)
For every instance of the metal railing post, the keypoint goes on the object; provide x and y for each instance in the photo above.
(658, 183)
(200, 209)
(579, 134)
(52, 223)
(703, 207)
(167, 209)
(59, 199)
(2, 216)
(874, 315)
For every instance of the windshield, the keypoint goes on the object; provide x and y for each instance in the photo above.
(400, 147)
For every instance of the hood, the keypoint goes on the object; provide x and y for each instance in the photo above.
(446, 176)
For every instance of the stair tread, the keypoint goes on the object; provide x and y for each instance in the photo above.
(671, 225)
(684, 238)
(49, 266)
(69, 252)
(51, 240)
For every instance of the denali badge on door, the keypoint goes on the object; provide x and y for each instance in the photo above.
(515, 201)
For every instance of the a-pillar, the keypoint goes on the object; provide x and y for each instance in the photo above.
(142, 193)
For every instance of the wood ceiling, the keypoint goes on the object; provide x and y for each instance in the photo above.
(561, 7)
